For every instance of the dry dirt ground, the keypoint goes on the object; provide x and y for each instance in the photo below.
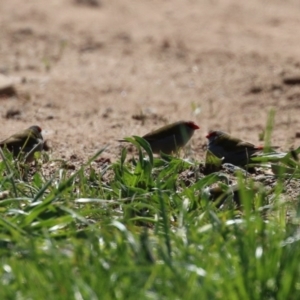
(90, 72)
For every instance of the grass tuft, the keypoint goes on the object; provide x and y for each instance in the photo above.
(149, 227)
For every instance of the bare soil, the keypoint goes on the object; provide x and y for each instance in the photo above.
(91, 72)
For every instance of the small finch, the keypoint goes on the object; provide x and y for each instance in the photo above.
(170, 138)
(217, 193)
(231, 149)
(27, 141)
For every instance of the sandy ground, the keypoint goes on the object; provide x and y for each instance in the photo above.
(90, 74)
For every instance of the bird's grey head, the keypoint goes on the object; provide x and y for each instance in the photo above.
(36, 128)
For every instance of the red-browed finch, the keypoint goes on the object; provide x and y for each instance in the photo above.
(27, 141)
(170, 138)
(231, 149)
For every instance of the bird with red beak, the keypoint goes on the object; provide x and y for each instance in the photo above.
(170, 138)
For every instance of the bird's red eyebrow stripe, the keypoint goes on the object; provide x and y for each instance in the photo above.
(210, 134)
(193, 125)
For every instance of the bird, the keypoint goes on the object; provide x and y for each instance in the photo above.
(171, 137)
(231, 149)
(27, 142)
(219, 195)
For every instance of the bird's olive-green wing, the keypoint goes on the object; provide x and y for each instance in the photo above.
(243, 144)
(19, 139)
(165, 131)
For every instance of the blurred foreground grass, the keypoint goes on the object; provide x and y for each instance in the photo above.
(147, 232)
